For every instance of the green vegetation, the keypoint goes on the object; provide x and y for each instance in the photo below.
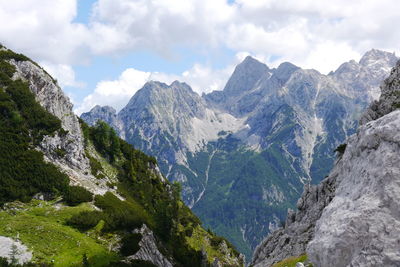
(396, 105)
(148, 200)
(4, 263)
(106, 141)
(291, 262)
(76, 195)
(60, 152)
(85, 220)
(41, 226)
(8, 54)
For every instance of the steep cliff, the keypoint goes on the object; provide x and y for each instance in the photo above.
(292, 239)
(350, 218)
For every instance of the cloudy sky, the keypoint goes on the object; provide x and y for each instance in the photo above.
(103, 51)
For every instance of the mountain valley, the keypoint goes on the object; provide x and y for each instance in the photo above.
(244, 154)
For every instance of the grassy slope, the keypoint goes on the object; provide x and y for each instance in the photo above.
(40, 226)
(291, 262)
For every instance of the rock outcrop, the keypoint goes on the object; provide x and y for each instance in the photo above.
(51, 97)
(293, 238)
(148, 249)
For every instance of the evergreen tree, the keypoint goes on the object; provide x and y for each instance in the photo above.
(14, 252)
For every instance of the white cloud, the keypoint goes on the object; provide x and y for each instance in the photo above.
(312, 34)
(296, 31)
(329, 56)
(64, 73)
(293, 30)
(115, 93)
(44, 30)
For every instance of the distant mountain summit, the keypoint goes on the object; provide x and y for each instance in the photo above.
(245, 77)
(243, 154)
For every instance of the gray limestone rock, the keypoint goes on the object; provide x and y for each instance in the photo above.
(148, 249)
(361, 225)
(292, 240)
(52, 98)
(106, 114)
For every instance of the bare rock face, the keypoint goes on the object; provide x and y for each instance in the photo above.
(50, 96)
(148, 249)
(292, 239)
(361, 226)
(107, 114)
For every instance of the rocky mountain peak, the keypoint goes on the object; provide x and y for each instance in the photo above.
(249, 61)
(245, 75)
(347, 67)
(284, 71)
(365, 75)
(375, 56)
(154, 88)
(178, 84)
(106, 109)
(104, 113)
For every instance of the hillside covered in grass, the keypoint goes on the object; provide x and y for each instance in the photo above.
(136, 219)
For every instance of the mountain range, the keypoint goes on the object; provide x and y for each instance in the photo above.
(244, 154)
